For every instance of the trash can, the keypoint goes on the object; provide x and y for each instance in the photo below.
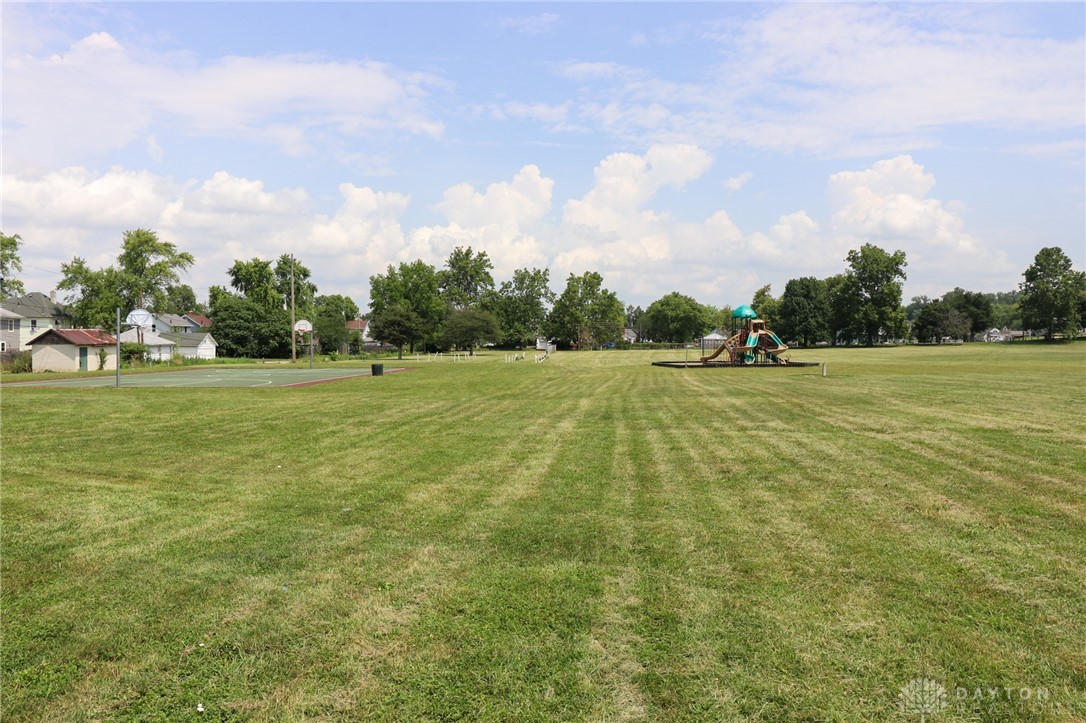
(377, 370)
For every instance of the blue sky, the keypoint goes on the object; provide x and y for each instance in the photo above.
(702, 148)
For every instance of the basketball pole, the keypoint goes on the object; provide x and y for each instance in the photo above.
(118, 347)
(293, 345)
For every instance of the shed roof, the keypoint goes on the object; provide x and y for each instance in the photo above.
(187, 338)
(78, 337)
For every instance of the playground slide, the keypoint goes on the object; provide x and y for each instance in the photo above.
(780, 344)
(715, 354)
(752, 340)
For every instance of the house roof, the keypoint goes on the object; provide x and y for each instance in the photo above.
(5, 314)
(188, 338)
(34, 305)
(174, 319)
(78, 337)
(358, 324)
(150, 338)
(199, 319)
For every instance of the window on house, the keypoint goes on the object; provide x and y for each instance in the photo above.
(11, 324)
(3, 346)
(33, 324)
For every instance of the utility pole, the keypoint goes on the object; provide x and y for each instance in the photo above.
(293, 348)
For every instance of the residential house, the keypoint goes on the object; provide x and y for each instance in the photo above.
(39, 312)
(159, 348)
(193, 345)
(629, 335)
(10, 326)
(72, 350)
(199, 321)
(173, 323)
(362, 326)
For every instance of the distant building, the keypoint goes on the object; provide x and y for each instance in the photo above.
(10, 327)
(38, 312)
(199, 321)
(72, 350)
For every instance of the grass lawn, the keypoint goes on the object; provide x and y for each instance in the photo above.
(591, 538)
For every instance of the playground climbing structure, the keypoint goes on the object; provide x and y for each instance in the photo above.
(751, 342)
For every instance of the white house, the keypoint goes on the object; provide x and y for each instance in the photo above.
(159, 348)
(362, 326)
(39, 312)
(196, 345)
(174, 324)
(10, 326)
(72, 350)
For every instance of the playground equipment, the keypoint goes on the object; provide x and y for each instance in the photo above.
(751, 344)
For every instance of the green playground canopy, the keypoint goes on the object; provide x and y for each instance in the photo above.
(744, 312)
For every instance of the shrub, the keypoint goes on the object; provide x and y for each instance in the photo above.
(18, 362)
(133, 353)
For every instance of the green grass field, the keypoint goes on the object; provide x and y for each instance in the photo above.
(591, 538)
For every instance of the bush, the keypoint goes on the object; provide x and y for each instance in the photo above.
(133, 353)
(18, 362)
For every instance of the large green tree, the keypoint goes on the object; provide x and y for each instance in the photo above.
(146, 268)
(677, 318)
(1052, 293)
(398, 325)
(939, 320)
(95, 294)
(180, 300)
(415, 286)
(767, 307)
(1005, 310)
(586, 313)
(330, 320)
(10, 262)
(255, 280)
(843, 304)
(521, 306)
(467, 328)
(872, 287)
(973, 305)
(245, 328)
(805, 311)
(465, 278)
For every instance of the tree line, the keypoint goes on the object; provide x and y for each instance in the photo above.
(416, 305)
(863, 305)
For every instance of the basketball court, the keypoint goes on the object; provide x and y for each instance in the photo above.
(202, 377)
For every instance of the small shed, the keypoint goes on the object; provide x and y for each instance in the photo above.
(72, 350)
(194, 345)
(158, 347)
